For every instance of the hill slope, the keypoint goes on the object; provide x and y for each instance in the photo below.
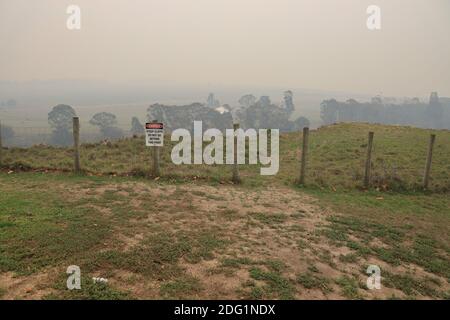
(336, 159)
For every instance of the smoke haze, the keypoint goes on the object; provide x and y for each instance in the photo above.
(318, 44)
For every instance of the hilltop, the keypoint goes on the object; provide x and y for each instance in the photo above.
(336, 159)
(192, 234)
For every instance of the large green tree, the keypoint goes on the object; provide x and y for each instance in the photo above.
(61, 119)
(107, 122)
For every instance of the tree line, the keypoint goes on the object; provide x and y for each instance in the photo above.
(434, 114)
(60, 119)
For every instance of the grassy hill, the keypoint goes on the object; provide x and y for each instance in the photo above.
(336, 159)
(191, 234)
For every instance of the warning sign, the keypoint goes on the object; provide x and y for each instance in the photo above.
(154, 134)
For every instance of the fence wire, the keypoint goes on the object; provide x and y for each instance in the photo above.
(23, 136)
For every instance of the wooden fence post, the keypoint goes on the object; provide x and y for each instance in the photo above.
(426, 177)
(1, 145)
(76, 143)
(236, 179)
(301, 180)
(368, 161)
(156, 167)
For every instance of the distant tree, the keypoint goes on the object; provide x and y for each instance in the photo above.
(410, 112)
(288, 101)
(212, 102)
(103, 120)
(247, 100)
(377, 100)
(301, 123)
(7, 133)
(329, 111)
(107, 122)
(349, 111)
(264, 101)
(136, 127)
(11, 103)
(434, 112)
(60, 119)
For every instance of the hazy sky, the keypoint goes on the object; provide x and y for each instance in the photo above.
(317, 44)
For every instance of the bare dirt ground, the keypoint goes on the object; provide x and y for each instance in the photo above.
(218, 242)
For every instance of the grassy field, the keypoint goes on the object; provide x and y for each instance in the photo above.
(336, 159)
(192, 234)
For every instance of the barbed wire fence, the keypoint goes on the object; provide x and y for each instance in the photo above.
(133, 154)
(27, 136)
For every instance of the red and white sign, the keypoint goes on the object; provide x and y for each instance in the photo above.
(154, 134)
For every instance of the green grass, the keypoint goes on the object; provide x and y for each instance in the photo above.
(413, 228)
(89, 291)
(270, 272)
(276, 286)
(349, 258)
(313, 281)
(203, 243)
(349, 287)
(256, 293)
(181, 288)
(43, 226)
(270, 219)
(40, 229)
(410, 285)
(158, 258)
(336, 159)
(236, 262)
